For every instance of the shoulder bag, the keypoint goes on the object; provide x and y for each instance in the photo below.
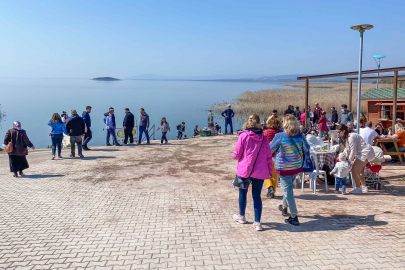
(307, 165)
(241, 182)
(9, 148)
(50, 133)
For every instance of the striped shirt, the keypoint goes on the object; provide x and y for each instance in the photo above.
(288, 159)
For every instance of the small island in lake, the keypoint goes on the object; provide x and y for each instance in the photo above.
(105, 79)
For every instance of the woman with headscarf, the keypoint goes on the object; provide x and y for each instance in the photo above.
(18, 139)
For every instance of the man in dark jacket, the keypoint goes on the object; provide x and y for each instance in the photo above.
(228, 114)
(335, 118)
(317, 113)
(76, 128)
(87, 122)
(128, 124)
(143, 126)
(290, 110)
(297, 113)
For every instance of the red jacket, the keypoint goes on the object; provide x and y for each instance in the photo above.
(322, 124)
(270, 133)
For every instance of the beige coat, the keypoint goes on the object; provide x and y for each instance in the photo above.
(356, 147)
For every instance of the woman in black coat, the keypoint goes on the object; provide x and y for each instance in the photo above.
(19, 142)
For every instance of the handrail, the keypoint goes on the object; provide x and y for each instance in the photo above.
(151, 132)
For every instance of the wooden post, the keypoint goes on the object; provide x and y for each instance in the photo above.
(306, 101)
(350, 95)
(394, 105)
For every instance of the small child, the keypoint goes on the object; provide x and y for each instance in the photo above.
(340, 172)
(218, 128)
(180, 129)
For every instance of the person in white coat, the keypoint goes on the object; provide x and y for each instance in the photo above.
(359, 153)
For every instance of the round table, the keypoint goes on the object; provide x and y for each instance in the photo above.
(326, 158)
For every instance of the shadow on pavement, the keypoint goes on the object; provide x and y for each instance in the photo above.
(103, 150)
(96, 157)
(316, 197)
(321, 223)
(37, 176)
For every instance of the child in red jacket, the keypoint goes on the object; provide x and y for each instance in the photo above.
(322, 125)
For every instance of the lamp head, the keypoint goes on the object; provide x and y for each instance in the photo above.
(378, 56)
(362, 27)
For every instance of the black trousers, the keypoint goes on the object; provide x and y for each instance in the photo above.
(87, 137)
(163, 137)
(128, 133)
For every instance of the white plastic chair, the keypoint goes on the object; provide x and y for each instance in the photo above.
(313, 175)
(334, 148)
(333, 136)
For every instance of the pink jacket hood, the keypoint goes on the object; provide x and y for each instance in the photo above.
(246, 150)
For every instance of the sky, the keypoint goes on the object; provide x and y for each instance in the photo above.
(86, 39)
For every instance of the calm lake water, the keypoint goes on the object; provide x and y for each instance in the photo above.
(33, 101)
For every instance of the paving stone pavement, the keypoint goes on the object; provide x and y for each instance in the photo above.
(171, 206)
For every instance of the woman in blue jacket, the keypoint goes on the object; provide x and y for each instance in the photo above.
(58, 128)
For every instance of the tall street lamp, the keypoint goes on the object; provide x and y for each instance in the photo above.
(378, 59)
(361, 28)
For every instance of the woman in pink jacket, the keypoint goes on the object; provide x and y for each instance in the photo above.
(251, 144)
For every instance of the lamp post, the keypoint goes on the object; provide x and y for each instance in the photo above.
(361, 28)
(378, 59)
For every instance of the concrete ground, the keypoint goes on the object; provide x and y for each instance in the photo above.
(171, 206)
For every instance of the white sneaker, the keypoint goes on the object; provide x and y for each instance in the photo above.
(257, 226)
(356, 191)
(364, 189)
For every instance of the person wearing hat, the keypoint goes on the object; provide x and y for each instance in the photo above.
(87, 120)
(128, 124)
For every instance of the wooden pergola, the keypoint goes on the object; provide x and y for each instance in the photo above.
(383, 70)
(368, 78)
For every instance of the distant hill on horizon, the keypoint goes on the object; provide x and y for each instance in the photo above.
(105, 79)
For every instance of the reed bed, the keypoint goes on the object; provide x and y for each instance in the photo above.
(263, 102)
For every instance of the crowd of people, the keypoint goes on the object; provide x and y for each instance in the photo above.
(79, 130)
(275, 150)
(267, 151)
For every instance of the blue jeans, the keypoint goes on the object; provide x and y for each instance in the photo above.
(392, 149)
(228, 121)
(112, 133)
(288, 196)
(56, 140)
(322, 134)
(257, 185)
(142, 129)
(179, 135)
(340, 180)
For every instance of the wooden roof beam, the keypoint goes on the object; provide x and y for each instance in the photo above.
(373, 78)
(383, 70)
